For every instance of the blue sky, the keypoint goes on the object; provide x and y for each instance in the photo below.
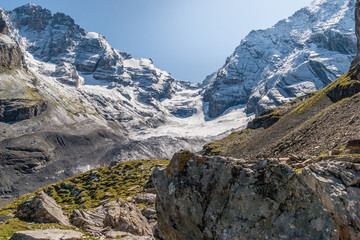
(188, 38)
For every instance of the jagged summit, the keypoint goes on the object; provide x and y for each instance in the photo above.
(296, 56)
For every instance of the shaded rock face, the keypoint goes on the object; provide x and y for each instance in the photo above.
(357, 32)
(42, 209)
(10, 53)
(49, 234)
(265, 120)
(3, 26)
(221, 198)
(57, 39)
(119, 216)
(12, 110)
(344, 91)
(336, 183)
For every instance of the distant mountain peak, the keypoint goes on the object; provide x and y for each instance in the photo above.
(296, 56)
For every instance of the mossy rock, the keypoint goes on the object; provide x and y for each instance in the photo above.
(125, 179)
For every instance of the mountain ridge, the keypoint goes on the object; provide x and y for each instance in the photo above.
(294, 57)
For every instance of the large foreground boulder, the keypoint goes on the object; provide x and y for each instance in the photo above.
(118, 216)
(224, 198)
(41, 209)
(337, 184)
(49, 234)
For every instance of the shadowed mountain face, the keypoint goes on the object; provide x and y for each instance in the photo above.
(298, 55)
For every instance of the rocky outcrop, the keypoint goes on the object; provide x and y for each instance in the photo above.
(147, 198)
(224, 198)
(41, 209)
(10, 53)
(3, 26)
(12, 110)
(116, 216)
(342, 91)
(265, 120)
(336, 183)
(49, 234)
(357, 32)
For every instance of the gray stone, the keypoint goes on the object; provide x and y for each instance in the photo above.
(49, 234)
(126, 236)
(10, 53)
(114, 216)
(149, 213)
(147, 198)
(41, 209)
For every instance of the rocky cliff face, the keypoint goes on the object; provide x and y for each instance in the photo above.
(10, 53)
(298, 55)
(223, 198)
(357, 31)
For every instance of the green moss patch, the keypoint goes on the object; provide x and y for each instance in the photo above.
(101, 185)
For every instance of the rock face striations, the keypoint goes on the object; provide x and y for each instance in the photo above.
(298, 55)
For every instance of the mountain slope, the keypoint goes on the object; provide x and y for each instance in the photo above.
(298, 55)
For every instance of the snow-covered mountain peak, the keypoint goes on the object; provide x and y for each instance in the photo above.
(296, 56)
